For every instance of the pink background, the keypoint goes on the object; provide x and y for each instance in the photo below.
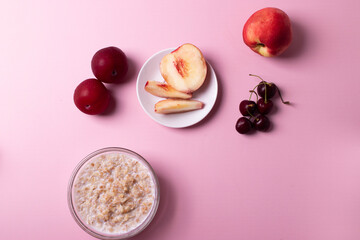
(301, 181)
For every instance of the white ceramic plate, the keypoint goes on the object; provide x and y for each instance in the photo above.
(206, 94)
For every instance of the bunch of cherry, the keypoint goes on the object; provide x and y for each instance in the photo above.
(254, 113)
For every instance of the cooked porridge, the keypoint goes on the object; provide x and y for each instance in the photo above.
(114, 193)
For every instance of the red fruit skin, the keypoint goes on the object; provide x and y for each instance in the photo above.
(262, 123)
(109, 65)
(91, 97)
(268, 32)
(264, 108)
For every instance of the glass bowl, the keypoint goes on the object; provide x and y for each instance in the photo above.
(93, 157)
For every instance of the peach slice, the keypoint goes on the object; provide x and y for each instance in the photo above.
(165, 90)
(184, 68)
(177, 106)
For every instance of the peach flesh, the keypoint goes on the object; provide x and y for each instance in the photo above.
(181, 67)
(184, 68)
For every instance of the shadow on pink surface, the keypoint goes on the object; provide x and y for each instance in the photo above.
(133, 70)
(217, 102)
(165, 212)
(298, 44)
(112, 87)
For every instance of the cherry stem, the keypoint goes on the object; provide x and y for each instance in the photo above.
(252, 92)
(265, 91)
(264, 82)
(282, 100)
(253, 75)
(257, 96)
(249, 113)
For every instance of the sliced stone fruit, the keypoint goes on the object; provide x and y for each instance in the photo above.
(177, 106)
(164, 90)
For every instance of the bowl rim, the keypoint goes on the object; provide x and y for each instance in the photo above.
(93, 232)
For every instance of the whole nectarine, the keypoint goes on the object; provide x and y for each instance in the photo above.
(268, 32)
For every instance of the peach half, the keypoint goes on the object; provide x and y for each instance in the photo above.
(184, 68)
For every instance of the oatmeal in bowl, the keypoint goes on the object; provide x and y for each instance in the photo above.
(113, 193)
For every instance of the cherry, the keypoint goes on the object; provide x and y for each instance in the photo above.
(247, 107)
(262, 123)
(243, 125)
(109, 65)
(266, 90)
(91, 97)
(264, 107)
